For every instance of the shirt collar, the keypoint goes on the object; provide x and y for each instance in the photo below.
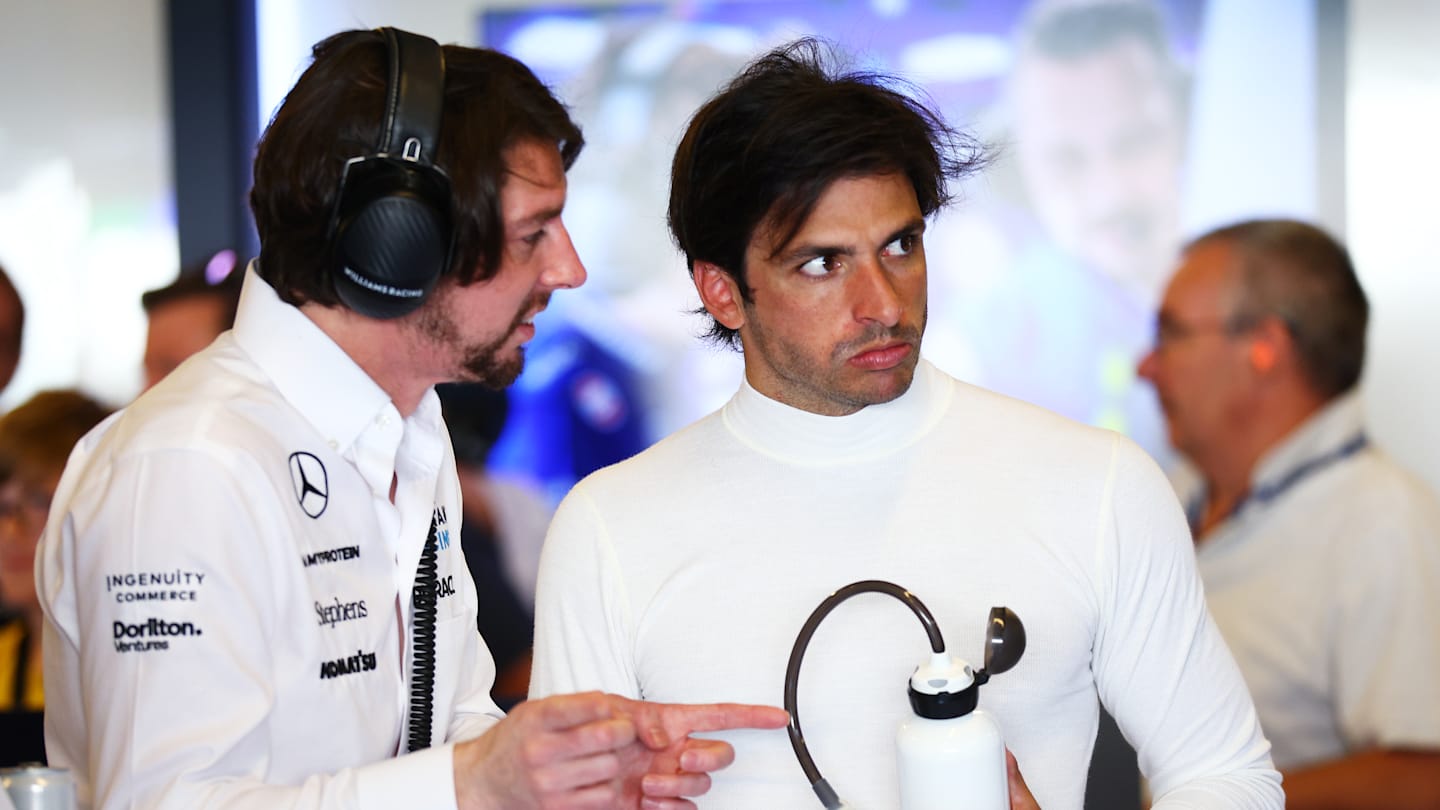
(308, 368)
(872, 432)
(1325, 433)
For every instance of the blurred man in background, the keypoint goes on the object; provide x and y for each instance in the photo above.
(12, 328)
(1320, 556)
(187, 314)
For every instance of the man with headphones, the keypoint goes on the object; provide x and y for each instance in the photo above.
(253, 585)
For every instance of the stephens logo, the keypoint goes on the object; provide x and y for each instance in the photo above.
(349, 665)
(152, 634)
(312, 484)
(333, 614)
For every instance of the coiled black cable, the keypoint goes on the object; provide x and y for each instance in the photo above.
(827, 794)
(422, 675)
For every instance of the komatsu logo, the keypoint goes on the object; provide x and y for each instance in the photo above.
(349, 665)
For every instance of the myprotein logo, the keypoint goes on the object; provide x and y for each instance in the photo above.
(151, 634)
(312, 484)
(330, 555)
(349, 665)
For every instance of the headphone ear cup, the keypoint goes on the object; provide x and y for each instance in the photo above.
(392, 236)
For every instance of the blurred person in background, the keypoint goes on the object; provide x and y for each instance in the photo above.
(1095, 113)
(35, 440)
(187, 314)
(503, 530)
(12, 328)
(1320, 556)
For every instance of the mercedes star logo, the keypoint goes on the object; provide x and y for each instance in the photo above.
(312, 485)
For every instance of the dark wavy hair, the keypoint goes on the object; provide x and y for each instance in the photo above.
(334, 112)
(765, 149)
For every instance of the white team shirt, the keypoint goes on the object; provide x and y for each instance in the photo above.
(227, 586)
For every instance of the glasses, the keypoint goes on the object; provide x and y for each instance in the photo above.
(1169, 332)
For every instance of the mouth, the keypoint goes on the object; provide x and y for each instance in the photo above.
(882, 357)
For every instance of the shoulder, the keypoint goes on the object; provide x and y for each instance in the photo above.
(1038, 439)
(1376, 500)
(216, 411)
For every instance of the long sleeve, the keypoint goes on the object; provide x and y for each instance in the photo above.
(1160, 664)
(583, 624)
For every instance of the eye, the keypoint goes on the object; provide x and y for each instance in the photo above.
(821, 266)
(531, 240)
(902, 245)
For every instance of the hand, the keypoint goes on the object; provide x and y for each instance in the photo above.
(1020, 798)
(575, 752)
(670, 765)
(553, 753)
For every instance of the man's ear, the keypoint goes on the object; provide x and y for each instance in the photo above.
(720, 294)
(1270, 344)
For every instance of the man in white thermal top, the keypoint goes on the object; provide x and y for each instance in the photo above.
(800, 196)
(254, 590)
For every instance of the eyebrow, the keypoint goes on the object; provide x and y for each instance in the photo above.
(537, 218)
(807, 250)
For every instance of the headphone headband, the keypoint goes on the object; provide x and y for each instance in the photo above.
(414, 96)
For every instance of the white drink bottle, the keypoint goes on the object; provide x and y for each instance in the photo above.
(950, 753)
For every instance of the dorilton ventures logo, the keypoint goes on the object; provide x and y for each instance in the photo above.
(312, 484)
(151, 634)
(349, 665)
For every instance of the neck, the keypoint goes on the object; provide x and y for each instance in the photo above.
(1228, 466)
(385, 350)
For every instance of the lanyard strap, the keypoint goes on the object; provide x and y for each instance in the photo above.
(1270, 492)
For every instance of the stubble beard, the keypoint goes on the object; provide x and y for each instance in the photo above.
(820, 388)
(482, 363)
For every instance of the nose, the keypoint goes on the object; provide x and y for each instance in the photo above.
(875, 296)
(566, 272)
(1149, 364)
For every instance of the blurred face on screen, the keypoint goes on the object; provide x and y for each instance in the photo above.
(836, 314)
(1099, 145)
